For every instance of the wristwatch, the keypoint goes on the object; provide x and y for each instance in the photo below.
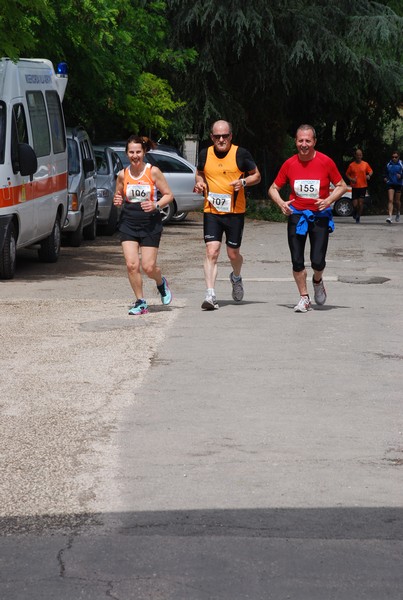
(243, 182)
(157, 206)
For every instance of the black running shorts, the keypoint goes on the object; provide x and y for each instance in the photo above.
(232, 225)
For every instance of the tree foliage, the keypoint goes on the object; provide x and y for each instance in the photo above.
(265, 66)
(268, 66)
(18, 23)
(109, 45)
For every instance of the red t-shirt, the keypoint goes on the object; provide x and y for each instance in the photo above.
(309, 180)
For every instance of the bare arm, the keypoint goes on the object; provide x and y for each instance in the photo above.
(163, 187)
(337, 192)
(200, 183)
(252, 178)
(274, 194)
(118, 197)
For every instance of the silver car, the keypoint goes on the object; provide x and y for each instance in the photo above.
(343, 207)
(81, 220)
(180, 175)
(108, 167)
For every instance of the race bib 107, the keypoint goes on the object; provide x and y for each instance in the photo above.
(221, 202)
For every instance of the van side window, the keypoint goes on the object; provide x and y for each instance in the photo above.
(19, 133)
(86, 151)
(56, 122)
(2, 131)
(73, 158)
(39, 123)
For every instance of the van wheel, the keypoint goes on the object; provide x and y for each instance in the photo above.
(8, 257)
(75, 238)
(90, 231)
(50, 246)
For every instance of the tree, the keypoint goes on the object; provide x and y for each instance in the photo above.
(269, 66)
(109, 46)
(18, 22)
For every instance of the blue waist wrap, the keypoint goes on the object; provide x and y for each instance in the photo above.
(309, 215)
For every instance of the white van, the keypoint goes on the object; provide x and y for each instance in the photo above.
(33, 160)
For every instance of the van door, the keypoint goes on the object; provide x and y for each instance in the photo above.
(22, 188)
(43, 213)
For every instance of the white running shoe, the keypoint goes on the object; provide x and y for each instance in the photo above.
(319, 292)
(389, 220)
(210, 303)
(303, 305)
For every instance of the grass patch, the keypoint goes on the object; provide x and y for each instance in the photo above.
(264, 210)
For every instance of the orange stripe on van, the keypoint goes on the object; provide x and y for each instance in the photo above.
(11, 196)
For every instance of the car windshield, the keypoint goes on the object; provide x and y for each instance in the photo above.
(167, 164)
(121, 152)
(102, 163)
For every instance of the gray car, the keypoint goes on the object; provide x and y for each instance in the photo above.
(108, 167)
(180, 175)
(81, 220)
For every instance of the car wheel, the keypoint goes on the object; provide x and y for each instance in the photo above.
(167, 213)
(50, 247)
(179, 216)
(343, 207)
(8, 257)
(90, 231)
(75, 238)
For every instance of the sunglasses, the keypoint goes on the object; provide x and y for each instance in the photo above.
(224, 136)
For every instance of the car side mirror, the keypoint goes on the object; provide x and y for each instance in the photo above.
(28, 162)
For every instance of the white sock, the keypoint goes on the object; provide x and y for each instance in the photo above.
(210, 292)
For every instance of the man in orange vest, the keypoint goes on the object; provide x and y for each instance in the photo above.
(223, 172)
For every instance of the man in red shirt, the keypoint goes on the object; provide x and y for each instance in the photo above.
(309, 174)
(359, 173)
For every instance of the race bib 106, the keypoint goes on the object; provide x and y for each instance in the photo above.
(138, 192)
(307, 188)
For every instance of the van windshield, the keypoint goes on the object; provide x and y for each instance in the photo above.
(2, 131)
(73, 157)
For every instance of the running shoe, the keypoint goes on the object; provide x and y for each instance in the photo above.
(166, 295)
(397, 219)
(357, 219)
(237, 288)
(210, 303)
(319, 292)
(389, 220)
(303, 305)
(140, 307)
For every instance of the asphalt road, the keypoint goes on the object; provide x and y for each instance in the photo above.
(245, 453)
